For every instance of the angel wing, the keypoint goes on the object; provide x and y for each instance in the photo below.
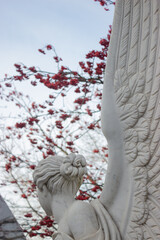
(132, 90)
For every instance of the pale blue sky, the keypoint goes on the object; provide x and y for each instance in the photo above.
(73, 26)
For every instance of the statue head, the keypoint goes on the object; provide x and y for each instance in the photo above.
(56, 174)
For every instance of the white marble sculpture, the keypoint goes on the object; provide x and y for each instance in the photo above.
(129, 206)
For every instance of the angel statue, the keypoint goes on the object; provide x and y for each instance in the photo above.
(129, 206)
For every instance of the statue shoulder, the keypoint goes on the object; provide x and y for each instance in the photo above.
(82, 219)
(80, 209)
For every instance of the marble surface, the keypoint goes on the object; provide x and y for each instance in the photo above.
(131, 119)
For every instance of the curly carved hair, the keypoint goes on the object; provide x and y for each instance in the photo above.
(60, 173)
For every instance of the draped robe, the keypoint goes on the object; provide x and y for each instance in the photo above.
(107, 228)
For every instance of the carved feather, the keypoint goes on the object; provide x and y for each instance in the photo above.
(134, 67)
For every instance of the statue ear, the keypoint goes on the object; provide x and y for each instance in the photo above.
(45, 190)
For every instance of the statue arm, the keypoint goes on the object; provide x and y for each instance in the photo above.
(117, 183)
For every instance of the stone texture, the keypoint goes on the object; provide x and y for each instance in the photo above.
(9, 227)
(131, 119)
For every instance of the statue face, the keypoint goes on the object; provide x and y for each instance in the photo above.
(45, 199)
